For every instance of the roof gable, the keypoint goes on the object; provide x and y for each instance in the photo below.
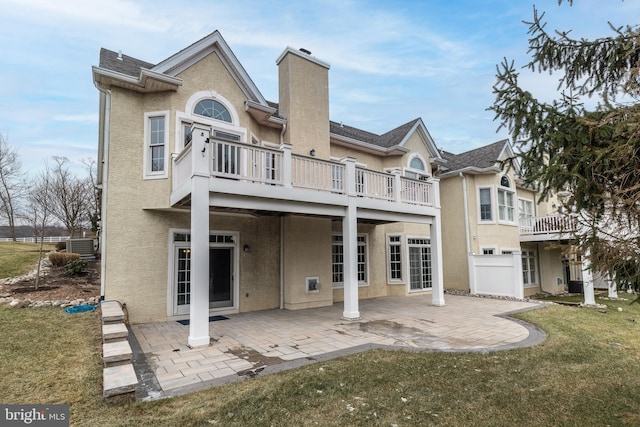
(391, 142)
(485, 159)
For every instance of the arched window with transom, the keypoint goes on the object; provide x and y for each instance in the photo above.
(214, 109)
(504, 181)
(416, 168)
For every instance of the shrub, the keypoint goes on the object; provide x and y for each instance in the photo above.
(61, 246)
(76, 267)
(60, 259)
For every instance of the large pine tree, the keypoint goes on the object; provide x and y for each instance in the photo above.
(591, 156)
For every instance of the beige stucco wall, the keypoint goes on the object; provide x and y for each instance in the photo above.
(307, 253)
(454, 238)
(550, 261)
(138, 235)
(304, 101)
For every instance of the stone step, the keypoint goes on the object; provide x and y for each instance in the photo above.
(119, 380)
(116, 353)
(114, 332)
(111, 312)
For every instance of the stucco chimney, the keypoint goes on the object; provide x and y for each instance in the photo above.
(304, 101)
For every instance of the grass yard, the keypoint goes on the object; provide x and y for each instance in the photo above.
(587, 373)
(19, 258)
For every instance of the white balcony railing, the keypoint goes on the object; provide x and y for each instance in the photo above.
(546, 225)
(317, 174)
(261, 165)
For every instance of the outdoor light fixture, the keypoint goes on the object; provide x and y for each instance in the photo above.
(245, 248)
(312, 152)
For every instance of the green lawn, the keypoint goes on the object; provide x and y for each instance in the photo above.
(587, 373)
(19, 258)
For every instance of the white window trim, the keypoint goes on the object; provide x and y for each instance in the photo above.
(490, 248)
(535, 283)
(533, 206)
(515, 206)
(407, 268)
(147, 173)
(212, 94)
(494, 202)
(426, 172)
(512, 251)
(340, 285)
(171, 270)
(402, 280)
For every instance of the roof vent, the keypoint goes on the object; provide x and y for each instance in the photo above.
(119, 55)
(303, 50)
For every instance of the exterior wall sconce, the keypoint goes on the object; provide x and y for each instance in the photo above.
(245, 248)
(313, 152)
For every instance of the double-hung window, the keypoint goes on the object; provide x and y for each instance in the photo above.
(486, 213)
(155, 136)
(506, 201)
(394, 258)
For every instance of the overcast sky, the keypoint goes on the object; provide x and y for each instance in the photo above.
(391, 61)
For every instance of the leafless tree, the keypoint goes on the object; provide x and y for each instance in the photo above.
(11, 184)
(69, 196)
(39, 211)
(93, 194)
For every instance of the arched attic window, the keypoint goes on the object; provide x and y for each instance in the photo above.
(212, 108)
(416, 163)
(416, 169)
(504, 181)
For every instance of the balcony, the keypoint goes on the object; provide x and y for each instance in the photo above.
(542, 228)
(247, 170)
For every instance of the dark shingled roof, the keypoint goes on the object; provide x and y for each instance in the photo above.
(127, 65)
(386, 140)
(131, 67)
(482, 158)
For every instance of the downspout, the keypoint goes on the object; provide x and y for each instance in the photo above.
(281, 262)
(105, 180)
(284, 129)
(466, 212)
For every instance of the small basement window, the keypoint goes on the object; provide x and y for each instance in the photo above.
(312, 284)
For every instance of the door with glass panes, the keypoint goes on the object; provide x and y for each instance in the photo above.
(221, 277)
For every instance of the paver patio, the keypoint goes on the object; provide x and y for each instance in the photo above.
(249, 344)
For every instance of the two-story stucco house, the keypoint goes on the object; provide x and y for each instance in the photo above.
(515, 244)
(217, 201)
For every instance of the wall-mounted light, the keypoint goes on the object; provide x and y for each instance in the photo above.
(245, 248)
(312, 152)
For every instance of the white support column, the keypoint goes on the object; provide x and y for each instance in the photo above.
(350, 244)
(287, 165)
(199, 300)
(437, 289)
(518, 290)
(587, 281)
(350, 261)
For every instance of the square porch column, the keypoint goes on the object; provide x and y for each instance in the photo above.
(350, 244)
(350, 260)
(437, 285)
(199, 297)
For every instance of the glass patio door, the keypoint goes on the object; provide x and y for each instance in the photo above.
(220, 279)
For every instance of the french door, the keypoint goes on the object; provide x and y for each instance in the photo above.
(419, 264)
(221, 278)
